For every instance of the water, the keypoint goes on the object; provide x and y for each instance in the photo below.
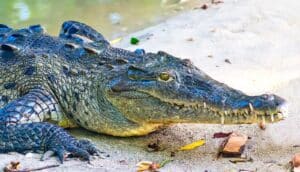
(113, 18)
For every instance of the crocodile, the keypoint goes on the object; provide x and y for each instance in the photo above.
(78, 79)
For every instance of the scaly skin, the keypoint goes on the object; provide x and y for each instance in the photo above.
(78, 79)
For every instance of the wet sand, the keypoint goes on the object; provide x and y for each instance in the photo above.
(261, 40)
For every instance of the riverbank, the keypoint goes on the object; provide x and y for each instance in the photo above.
(250, 45)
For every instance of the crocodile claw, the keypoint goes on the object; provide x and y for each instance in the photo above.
(69, 147)
(46, 137)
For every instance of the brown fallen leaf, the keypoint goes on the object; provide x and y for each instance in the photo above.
(150, 166)
(221, 135)
(12, 166)
(234, 145)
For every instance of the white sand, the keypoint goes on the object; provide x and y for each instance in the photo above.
(261, 39)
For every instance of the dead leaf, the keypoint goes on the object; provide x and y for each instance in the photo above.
(193, 145)
(147, 166)
(13, 166)
(116, 40)
(234, 145)
(221, 135)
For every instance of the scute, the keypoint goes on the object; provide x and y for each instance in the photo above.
(4, 29)
(37, 29)
(80, 32)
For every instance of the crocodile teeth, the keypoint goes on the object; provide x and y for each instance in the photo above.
(263, 122)
(280, 116)
(222, 119)
(251, 107)
(226, 113)
(272, 117)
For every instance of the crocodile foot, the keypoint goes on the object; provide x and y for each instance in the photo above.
(45, 137)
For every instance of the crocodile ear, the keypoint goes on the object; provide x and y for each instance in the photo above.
(80, 32)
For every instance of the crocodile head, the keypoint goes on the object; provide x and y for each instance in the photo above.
(164, 89)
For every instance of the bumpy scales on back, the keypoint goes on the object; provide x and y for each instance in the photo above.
(79, 80)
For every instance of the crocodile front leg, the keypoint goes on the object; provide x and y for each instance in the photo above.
(22, 128)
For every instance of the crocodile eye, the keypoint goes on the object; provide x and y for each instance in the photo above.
(164, 76)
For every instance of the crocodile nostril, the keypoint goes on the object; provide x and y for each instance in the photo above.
(271, 97)
(268, 97)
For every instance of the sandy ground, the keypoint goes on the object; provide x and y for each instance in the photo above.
(261, 39)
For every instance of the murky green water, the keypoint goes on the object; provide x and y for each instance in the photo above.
(111, 17)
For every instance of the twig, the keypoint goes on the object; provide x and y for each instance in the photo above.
(29, 170)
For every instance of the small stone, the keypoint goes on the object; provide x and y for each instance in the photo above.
(296, 160)
(262, 125)
(204, 6)
(227, 61)
(190, 39)
(123, 162)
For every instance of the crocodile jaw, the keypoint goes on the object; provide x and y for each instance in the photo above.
(152, 109)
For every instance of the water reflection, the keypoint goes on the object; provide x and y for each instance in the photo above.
(23, 11)
(111, 17)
